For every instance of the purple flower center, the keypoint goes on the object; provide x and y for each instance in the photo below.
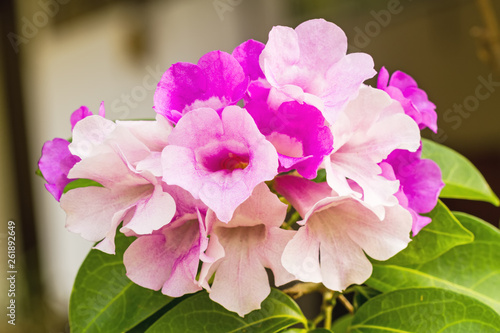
(226, 160)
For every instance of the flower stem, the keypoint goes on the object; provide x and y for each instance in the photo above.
(346, 303)
(304, 288)
(319, 318)
(329, 301)
(327, 307)
(294, 218)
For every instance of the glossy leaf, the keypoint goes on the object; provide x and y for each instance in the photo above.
(463, 180)
(342, 324)
(105, 300)
(472, 269)
(199, 314)
(424, 310)
(442, 234)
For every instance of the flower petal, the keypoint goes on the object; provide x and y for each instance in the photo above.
(86, 214)
(301, 193)
(247, 55)
(151, 213)
(55, 163)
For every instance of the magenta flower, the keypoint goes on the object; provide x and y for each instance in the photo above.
(55, 163)
(243, 248)
(309, 64)
(403, 88)
(298, 133)
(247, 54)
(420, 184)
(218, 159)
(336, 232)
(218, 80)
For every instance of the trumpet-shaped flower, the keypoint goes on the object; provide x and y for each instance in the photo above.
(218, 159)
(309, 64)
(366, 132)
(243, 248)
(336, 233)
(110, 154)
(218, 80)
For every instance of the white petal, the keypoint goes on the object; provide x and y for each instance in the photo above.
(301, 256)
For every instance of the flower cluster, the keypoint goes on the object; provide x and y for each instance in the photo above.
(235, 149)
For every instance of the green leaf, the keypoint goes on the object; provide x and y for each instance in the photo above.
(105, 300)
(462, 179)
(199, 314)
(442, 234)
(145, 324)
(472, 269)
(425, 310)
(342, 324)
(482, 230)
(80, 183)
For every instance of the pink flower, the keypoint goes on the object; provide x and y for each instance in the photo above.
(366, 132)
(218, 159)
(309, 64)
(243, 248)
(110, 155)
(218, 80)
(336, 233)
(404, 89)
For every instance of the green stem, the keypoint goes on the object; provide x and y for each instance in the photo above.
(303, 288)
(294, 218)
(329, 301)
(319, 318)
(327, 307)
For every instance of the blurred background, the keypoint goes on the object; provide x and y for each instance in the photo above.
(57, 55)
